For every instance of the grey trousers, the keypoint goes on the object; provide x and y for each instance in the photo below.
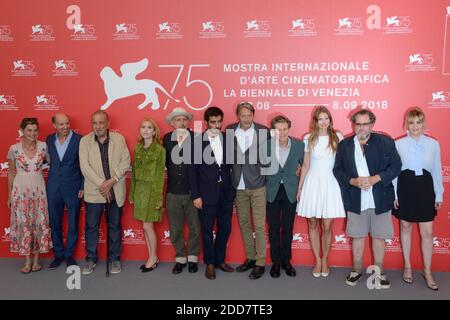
(179, 209)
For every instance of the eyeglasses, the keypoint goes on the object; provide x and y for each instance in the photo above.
(360, 125)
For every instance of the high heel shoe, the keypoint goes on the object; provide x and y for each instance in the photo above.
(407, 279)
(325, 274)
(316, 274)
(153, 267)
(431, 285)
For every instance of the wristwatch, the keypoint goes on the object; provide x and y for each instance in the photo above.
(117, 179)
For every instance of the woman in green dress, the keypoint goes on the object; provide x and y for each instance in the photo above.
(147, 182)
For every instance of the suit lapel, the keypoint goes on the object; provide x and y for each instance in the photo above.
(223, 141)
(351, 150)
(71, 142)
(95, 149)
(110, 152)
(292, 151)
(52, 148)
(207, 143)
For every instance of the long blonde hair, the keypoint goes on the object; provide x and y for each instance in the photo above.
(314, 135)
(156, 137)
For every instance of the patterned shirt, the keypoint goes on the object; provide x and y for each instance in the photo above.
(104, 147)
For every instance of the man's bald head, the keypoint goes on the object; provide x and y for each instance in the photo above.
(61, 123)
(60, 116)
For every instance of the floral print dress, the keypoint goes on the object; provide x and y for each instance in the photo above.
(30, 228)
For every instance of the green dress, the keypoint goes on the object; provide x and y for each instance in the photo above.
(147, 182)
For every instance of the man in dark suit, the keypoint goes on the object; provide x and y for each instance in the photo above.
(212, 191)
(365, 165)
(64, 188)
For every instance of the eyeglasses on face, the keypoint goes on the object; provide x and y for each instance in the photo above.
(360, 125)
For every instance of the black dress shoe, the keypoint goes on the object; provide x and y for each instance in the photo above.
(257, 272)
(178, 267)
(290, 271)
(275, 270)
(153, 267)
(247, 265)
(210, 272)
(70, 261)
(56, 263)
(193, 268)
(225, 267)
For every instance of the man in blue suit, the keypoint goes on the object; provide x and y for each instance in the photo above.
(212, 191)
(64, 188)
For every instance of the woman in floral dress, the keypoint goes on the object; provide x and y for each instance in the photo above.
(30, 230)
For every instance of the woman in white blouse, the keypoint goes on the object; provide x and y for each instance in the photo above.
(419, 191)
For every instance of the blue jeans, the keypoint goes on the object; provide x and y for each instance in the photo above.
(93, 216)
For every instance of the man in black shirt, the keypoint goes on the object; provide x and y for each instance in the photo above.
(178, 199)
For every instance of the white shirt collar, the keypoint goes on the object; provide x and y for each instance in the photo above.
(252, 127)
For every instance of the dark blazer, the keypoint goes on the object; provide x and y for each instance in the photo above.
(177, 174)
(203, 177)
(287, 173)
(66, 174)
(252, 172)
(382, 158)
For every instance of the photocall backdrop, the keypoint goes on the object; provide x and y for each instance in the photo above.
(137, 59)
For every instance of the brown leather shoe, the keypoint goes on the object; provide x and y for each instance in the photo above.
(210, 272)
(225, 267)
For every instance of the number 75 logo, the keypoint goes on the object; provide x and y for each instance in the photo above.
(118, 87)
(189, 82)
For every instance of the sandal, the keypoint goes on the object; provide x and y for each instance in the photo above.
(407, 279)
(36, 267)
(430, 284)
(26, 268)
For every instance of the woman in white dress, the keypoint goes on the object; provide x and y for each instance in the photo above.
(319, 194)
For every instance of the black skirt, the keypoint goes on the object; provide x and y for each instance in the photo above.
(416, 197)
